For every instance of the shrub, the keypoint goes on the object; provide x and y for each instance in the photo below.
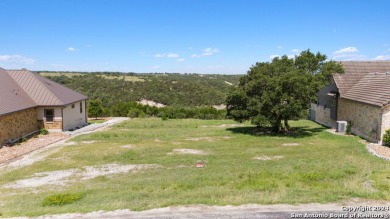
(43, 131)
(386, 137)
(61, 199)
(349, 126)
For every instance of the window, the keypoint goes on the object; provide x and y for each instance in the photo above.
(49, 115)
(81, 107)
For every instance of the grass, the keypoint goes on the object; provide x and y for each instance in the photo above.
(322, 168)
(94, 120)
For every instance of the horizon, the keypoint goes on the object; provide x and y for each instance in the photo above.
(182, 36)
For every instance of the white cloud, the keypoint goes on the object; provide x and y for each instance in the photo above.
(166, 55)
(295, 51)
(16, 59)
(348, 53)
(71, 49)
(346, 50)
(206, 52)
(181, 60)
(382, 57)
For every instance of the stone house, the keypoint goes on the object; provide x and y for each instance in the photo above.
(360, 96)
(29, 102)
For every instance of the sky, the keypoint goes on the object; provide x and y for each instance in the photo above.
(186, 36)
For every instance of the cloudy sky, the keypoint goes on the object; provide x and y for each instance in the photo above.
(193, 36)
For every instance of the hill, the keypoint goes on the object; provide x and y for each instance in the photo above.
(171, 89)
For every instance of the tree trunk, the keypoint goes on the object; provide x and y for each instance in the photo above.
(286, 126)
(276, 127)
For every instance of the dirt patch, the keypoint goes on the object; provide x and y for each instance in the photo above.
(62, 177)
(187, 151)
(158, 140)
(129, 146)
(91, 172)
(44, 178)
(290, 144)
(263, 157)
(87, 142)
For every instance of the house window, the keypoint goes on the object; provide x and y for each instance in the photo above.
(81, 107)
(49, 115)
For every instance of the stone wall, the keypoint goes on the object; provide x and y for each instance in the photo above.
(366, 119)
(323, 115)
(385, 120)
(16, 125)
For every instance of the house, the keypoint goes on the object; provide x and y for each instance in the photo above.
(29, 102)
(360, 96)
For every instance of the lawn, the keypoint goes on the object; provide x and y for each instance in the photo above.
(242, 165)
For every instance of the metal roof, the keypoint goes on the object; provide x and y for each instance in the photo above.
(23, 89)
(365, 81)
(12, 97)
(43, 91)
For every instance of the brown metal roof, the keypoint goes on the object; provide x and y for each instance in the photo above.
(43, 91)
(12, 97)
(365, 81)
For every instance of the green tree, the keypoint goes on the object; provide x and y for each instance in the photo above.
(280, 90)
(95, 108)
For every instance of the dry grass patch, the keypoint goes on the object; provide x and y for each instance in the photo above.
(187, 151)
(290, 144)
(263, 157)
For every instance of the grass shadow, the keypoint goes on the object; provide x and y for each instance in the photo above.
(294, 132)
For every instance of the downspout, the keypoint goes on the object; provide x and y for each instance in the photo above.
(62, 115)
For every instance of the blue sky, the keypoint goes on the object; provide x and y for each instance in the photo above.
(186, 36)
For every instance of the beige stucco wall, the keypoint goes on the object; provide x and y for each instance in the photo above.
(73, 117)
(56, 125)
(18, 124)
(366, 119)
(323, 115)
(385, 120)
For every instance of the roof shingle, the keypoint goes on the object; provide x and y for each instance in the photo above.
(366, 81)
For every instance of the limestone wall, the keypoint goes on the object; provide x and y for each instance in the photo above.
(323, 115)
(16, 125)
(366, 119)
(385, 120)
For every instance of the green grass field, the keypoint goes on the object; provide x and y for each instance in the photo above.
(309, 166)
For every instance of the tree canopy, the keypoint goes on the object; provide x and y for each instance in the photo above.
(280, 90)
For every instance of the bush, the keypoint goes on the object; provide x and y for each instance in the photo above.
(43, 131)
(349, 127)
(61, 199)
(386, 137)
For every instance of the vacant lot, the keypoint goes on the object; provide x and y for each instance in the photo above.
(148, 163)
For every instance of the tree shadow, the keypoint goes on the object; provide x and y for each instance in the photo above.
(294, 132)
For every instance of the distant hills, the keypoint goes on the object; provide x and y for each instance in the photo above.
(170, 89)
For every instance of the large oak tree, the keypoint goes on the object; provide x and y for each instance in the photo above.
(280, 90)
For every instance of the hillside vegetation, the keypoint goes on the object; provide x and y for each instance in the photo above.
(169, 89)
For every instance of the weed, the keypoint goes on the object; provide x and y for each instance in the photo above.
(43, 131)
(61, 199)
